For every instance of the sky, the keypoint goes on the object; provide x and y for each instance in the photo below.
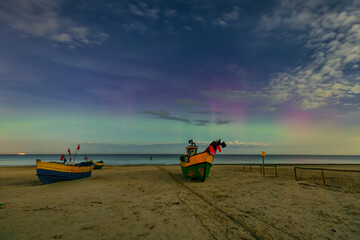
(146, 76)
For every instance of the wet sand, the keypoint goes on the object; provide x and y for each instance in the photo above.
(157, 202)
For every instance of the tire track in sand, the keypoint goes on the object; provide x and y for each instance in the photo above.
(253, 227)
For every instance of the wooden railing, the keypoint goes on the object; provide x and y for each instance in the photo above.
(322, 171)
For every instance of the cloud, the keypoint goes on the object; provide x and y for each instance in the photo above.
(153, 16)
(198, 122)
(233, 15)
(246, 144)
(206, 112)
(202, 122)
(206, 122)
(221, 122)
(170, 13)
(330, 32)
(227, 18)
(144, 10)
(135, 10)
(165, 115)
(41, 19)
(135, 26)
(334, 38)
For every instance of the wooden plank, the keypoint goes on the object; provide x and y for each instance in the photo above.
(323, 176)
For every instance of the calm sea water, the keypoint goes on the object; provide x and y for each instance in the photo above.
(169, 159)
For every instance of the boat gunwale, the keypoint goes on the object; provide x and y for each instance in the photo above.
(60, 167)
(197, 154)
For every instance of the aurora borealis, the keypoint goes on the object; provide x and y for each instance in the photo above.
(144, 76)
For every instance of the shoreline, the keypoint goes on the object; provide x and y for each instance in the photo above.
(218, 164)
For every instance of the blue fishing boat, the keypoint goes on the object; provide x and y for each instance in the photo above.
(51, 172)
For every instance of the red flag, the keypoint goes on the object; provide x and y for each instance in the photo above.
(69, 151)
(62, 157)
(218, 148)
(78, 148)
(212, 151)
(70, 160)
(86, 157)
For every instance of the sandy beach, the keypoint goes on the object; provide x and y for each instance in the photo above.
(157, 202)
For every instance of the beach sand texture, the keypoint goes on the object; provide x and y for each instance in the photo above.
(157, 202)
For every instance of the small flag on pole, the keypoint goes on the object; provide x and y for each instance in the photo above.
(86, 157)
(212, 151)
(62, 157)
(69, 151)
(218, 148)
(263, 153)
(78, 148)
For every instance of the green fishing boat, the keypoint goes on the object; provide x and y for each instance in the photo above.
(98, 164)
(196, 166)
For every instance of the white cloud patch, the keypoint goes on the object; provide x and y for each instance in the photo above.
(227, 18)
(170, 13)
(143, 9)
(332, 35)
(246, 144)
(41, 19)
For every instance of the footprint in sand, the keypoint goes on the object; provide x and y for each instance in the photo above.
(150, 226)
(87, 228)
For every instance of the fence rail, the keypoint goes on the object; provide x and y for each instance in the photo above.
(261, 168)
(322, 171)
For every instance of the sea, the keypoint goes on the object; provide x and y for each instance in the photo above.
(173, 159)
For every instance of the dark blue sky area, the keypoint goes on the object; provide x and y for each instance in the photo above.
(146, 46)
(200, 63)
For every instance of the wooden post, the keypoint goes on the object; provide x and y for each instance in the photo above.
(323, 176)
(295, 173)
(275, 171)
(263, 166)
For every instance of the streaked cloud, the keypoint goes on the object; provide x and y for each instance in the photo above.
(42, 19)
(246, 144)
(143, 9)
(198, 122)
(202, 122)
(209, 112)
(165, 115)
(224, 121)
